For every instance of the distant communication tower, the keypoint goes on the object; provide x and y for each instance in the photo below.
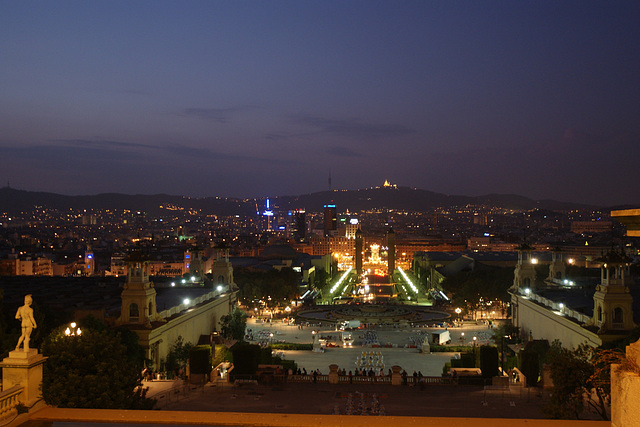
(268, 213)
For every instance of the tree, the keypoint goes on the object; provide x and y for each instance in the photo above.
(580, 377)
(233, 325)
(469, 287)
(178, 356)
(92, 370)
(321, 278)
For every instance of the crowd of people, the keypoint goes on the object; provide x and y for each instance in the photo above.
(370, 338)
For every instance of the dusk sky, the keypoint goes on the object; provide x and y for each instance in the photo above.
(267, 98)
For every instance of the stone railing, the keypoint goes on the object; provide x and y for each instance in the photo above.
(307, 378)
(173, 394)
(362, 379)
(9, 400)
(180, 308)
(555, 306)
(344, 379)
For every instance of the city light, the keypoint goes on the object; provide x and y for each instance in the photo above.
(339, 282)
(406, 279)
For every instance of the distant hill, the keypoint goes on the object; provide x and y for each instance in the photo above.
(412, 199)
(402, 198)
(14, 201)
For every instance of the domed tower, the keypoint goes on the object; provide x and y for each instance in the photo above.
(222, 269)
(358, 252)
(612, 309)
(524, 276)
(139, 295)
(391, 253)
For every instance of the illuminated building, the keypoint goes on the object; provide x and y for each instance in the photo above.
(298, 225)
(89, 262)
(352, 226)
(330, 219)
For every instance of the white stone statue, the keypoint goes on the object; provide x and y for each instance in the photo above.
(25, 314)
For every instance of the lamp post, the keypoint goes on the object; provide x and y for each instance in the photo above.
(502, 354)
(462, 338)
(458, 310)
(72, 330)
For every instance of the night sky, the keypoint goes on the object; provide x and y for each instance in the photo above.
(267, 98)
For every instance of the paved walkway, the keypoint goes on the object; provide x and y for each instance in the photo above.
(432, 401)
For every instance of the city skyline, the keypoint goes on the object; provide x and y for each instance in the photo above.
(252, 99)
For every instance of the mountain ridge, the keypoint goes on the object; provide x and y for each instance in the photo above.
(395, 198)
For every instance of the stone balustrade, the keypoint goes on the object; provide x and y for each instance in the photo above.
(555, 305)
(9, 400)
(180, 308)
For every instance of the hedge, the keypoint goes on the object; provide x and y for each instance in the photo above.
(292, 346)
(489, 361)
(200, 359)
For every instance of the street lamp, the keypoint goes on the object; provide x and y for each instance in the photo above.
(72, 331)
(461, 338)
(458, 311)
(502, 355)
(474, 341)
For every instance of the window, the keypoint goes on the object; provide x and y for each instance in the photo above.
(134, 312)
(617, 316)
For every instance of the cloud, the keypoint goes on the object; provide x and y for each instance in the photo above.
(217, 115)
(100, 143)
(343, 152)
(107, 145)
(135, 92)
(66, 150)
(351, 127)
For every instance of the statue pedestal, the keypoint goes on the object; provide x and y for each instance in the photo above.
(333, 374)
(396, 376)
(24, 368)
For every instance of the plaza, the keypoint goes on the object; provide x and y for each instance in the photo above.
(399, 346)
